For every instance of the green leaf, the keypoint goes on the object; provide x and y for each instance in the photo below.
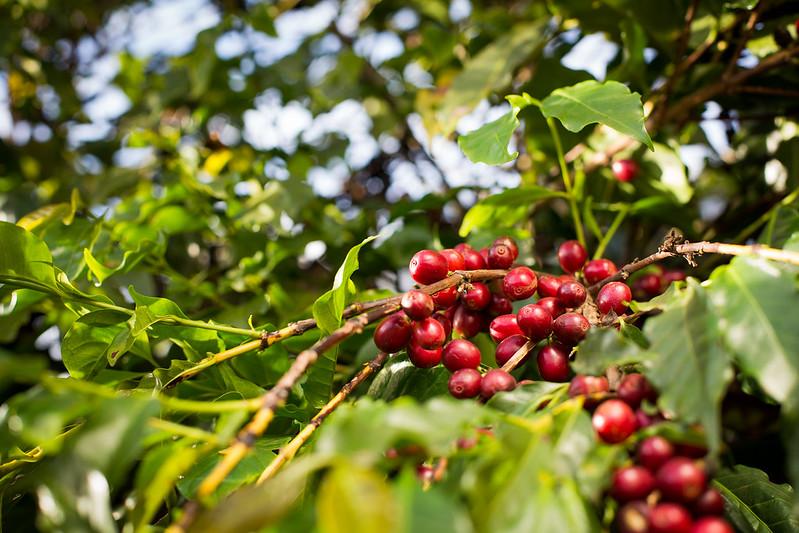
(526, 399)
(399, 377)
(604, 347)
(86, 343)
(353, 499)
(610, 103)
(755, 302)
(506, 208)
(130, 259)
(25, 259)
(430, 509)
(673, 177)
(753, 503)
(489, 143)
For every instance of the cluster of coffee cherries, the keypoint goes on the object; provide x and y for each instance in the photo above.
(427, 321)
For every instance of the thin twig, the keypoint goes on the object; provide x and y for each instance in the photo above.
(517, 358)
(744, 38)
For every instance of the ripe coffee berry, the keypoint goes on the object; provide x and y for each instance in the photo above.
(669, 518)
(709, 502)
(472, 259)
(520, 283)
(632, 483)
(614, 421)
(476, 297)
(422, 357)
(588, 385)
(446, 297)
(654, 451)
(503, 327)
(428, 266)
(615, 296)
(460, 353)
(445, 322)
(508, 347)
(571, 256)
(712, 524)
(393, 333)
(466, 323)
(500, 256)
(625, 169)
(552, 305)
(635, 388)
(650, 284)
(571, 294)
(553, 363)
(681, 480)
(499, 305)
(633, 517)
(495, 381)
(534, 321)
(417, 305)
(645, 420)
(570, 328)
(510, 243)
(670, 276)
(548, 285)
(428, 333)
(465, 383)
(454, 259)
(598, 269)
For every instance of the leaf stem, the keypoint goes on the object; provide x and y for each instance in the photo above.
(567, 182)
(614, 226)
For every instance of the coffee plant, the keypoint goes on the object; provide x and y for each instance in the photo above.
(398, 267)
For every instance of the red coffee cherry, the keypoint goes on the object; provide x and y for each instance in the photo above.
(422, 357)
(570, 328)
(428, 333)
(695, 451)
(476, 297)
(633, 517)
(508, 347)
(428, 266)
(445, 322)
(472, 259)
(534, 321)
(499, 305)
(635, 388)
(653, 452)
(669, 518)
(510, 243)
(520, 283)
(465, 383)
(393, 333)
(460, 353)
(552, 305)
(503, 327)
(670, 276)
(484, 255)
(613, 421)
(709, 502)
(548, 285)
(650, 284)
(417, 305)
(712, 524)
(587, 385)
(624, 169)
(572, 256)
(571, 294)
(644, 420)
(500, 256)
(681, 480)
(467, 323)
(445, 298)
(494, 381)
(553, 363)
(632, 483)
(454, 259)
(615, 296)
(598, 269)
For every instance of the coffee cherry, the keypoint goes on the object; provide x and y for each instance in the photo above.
(570, 328)
(393, 333)
(571, 294)
(445, 322)
(650, 284)
(632, 483)
(709, 502)
(428, 333)
(614, 421)
(654, 451)
(417, 305)
(552, 305)
(510, 243)
(460, 353)
(670, 276)
(465, 383)
(484, 255)
(500, 256)
(454, 259)
(503, 327)
(588, 385)
(499, 305)
(633, 517)
(494, 381)
(472, 259)
(553, 363)
(598, 269)
(548, 285)
(428, 266)
(476, 297)
(680, 479)
(520, 283)
(669, 518)
(534, 321)
(508, 347)
(694, 451)
(467, 323)
(712, 524)
(425, 473)
(615, 296)
(634, 388)
(462, 246)
(625, 169)
(571, 256)
(422, 357)
(445, 298)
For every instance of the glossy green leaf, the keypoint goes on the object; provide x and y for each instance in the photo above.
(673, 178)
(354, 499)
(602, 348)
(505, 209)
(753, 503)
(25, 259)
(489, 143)
(87, 341)
(399, 377)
